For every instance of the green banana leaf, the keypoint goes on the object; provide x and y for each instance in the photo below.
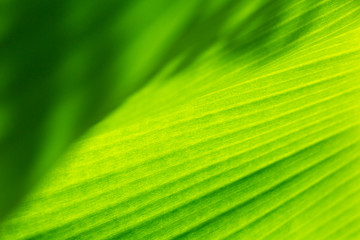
(197, 119)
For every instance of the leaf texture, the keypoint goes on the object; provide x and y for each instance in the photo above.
(259, 143)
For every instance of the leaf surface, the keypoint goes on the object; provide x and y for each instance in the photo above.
(241, 142)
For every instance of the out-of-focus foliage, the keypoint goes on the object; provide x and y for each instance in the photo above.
(248, 126)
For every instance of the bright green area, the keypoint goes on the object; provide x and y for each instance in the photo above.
(248, 129)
